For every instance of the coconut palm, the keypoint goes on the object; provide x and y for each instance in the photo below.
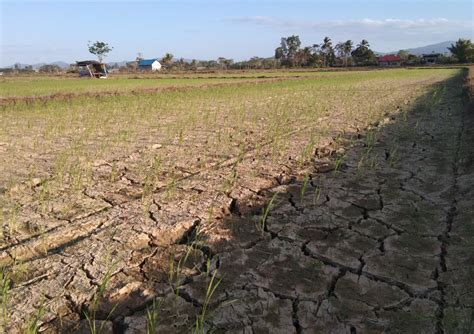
(347, 49)
(327, 52)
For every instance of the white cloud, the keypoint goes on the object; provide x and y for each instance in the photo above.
(365, 23)
(383, 34)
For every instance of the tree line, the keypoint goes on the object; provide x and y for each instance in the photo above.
(291, 54)
(288, 54)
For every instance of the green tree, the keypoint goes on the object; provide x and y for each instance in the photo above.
(304, 57)
(269, 63)
(287, 50)
(221, 61)
(211, 64)
(50, 69)
(344, 50)
(347, 50)
(327, 52)
(463, 50)
(363, 55)
(228, 63)
(413, 59)
(181, 63)
(225, 63)
(280, 55)
(403, 54)
(256, 62)
(99, 49)
(317, 59)
(167, 59)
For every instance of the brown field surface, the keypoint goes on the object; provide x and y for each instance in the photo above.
(285, 202)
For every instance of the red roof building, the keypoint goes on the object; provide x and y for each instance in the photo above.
(390, 60)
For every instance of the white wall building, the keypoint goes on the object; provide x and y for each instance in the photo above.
(149, 65)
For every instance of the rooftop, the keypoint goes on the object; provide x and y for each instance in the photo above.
(86, 62)
(390, 58)
(146, 62)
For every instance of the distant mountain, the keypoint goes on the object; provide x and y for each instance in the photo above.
(433, 48)
(37, 66)
(119, 63)
(20, 66)
(61, 64)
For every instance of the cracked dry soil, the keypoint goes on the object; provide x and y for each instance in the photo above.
(382, 243)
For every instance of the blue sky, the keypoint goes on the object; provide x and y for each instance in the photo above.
(47, 31)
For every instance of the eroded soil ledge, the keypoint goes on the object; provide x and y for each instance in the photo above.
(377, 237)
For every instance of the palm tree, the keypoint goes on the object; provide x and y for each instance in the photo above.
(339, 48)
(463, 50)
(317, 55)
(362, 55)
(364, 43)
(347, 49)
(327, 51)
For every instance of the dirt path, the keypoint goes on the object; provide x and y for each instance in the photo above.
(377, 238)
(382, 245)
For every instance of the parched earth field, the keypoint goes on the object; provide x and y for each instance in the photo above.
(316, 203)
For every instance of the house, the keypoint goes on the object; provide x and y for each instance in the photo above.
(390, 60)
(92, 68)
(431, 59)
(149, 65)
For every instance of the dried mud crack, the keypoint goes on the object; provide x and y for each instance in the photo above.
(450, 217)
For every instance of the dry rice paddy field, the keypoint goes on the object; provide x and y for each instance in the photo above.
(285, 202)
